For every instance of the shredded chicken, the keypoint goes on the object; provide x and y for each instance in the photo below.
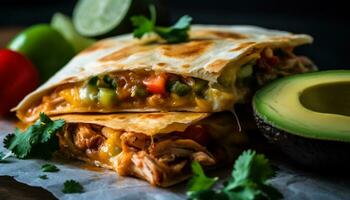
(279, 63)
(163, 162)
(87, 138)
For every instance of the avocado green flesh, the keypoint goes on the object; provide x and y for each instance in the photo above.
(312, 105)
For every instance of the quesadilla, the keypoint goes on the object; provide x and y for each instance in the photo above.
(157, 147)
(209, 73)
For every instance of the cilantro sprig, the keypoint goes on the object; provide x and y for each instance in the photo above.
(44, 177)
(38, 141)
(2, 156)
(248, 181)
(72, 186)
(49, 168)
(173, 34)
(200, 181)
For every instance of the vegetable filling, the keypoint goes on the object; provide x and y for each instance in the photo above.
(130, 90)
(140, 89)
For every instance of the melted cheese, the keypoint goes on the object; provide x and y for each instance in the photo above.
(111, 146)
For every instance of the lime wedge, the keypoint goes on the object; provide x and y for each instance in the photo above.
(98, 17)
(64, 25)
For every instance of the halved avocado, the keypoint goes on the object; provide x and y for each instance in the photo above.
(308, 117)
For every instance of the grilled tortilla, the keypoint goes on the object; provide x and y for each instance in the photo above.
(157, 147)
(208, 73)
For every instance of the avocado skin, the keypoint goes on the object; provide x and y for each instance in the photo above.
(319, 155)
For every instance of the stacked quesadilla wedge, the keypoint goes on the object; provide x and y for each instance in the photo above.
(148, 109)
(157, 147)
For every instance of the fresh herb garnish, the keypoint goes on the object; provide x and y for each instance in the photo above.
(49, 168)
(249, 181)
(200, 181)
(39, 140)
(2, 156)
(173, 34)
(72, 186)
(44, 177)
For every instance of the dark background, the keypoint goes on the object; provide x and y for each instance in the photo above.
(327, 22)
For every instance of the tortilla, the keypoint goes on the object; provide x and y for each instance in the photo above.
(157, 147)
(147, 123)
(211, 52)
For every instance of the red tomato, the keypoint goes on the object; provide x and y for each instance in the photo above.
(156, 84)
(18, 77)
(197, 133)
(273, 61)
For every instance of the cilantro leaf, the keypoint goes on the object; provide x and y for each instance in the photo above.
(200, 181)
(39, 140)
(2, 156)
(49, 168)
(72, 186)
(44, 177)
(143, 24)
(252, 166)
(248, 181)
(176, 33)
(173, 34)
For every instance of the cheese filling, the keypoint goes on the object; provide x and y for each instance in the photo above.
(130, 90)
(162, 159)
(140, 89)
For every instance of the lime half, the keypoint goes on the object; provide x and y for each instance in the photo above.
(64, 25)
(97, 17)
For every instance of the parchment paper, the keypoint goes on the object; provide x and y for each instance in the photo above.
(105, 185)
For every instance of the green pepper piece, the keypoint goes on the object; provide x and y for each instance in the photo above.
(140, 91)
(88, 94)
(93, 81)
(110, 82)
(245, 71)
(181, 89)
(107, 97)
(200, 86)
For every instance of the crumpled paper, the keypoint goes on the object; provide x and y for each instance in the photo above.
(105, 184)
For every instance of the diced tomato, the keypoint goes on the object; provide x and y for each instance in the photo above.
(156, 84)
(18, 77)
(196, 133)
(273, 61)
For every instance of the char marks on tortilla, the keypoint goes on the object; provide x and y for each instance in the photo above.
(210, 49)
(146, 123)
